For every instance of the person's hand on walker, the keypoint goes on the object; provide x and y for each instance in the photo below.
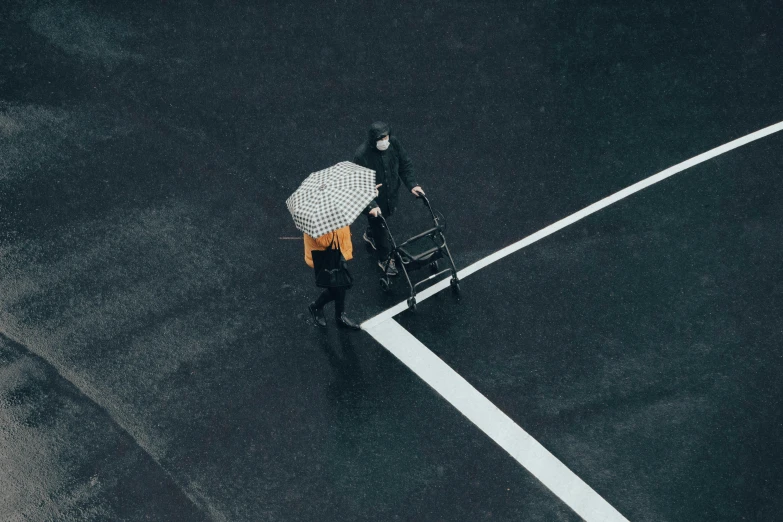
(377, 210)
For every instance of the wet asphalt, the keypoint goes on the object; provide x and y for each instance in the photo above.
(155, 354)
(642, 345)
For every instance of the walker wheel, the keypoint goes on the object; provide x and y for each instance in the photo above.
(455, 287)
(384, 284)
(412, 303)
(434, 266)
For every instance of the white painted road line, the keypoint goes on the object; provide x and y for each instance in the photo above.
(526, 450)
(480, 411)
(554, 227)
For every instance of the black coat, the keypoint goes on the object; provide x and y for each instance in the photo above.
(392, 168)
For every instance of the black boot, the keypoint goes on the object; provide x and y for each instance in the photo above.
(318, 315)
(344, 322)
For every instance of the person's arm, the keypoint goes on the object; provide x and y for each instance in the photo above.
(358, 157)
(407, 175)
(370, 209)
(373, 209)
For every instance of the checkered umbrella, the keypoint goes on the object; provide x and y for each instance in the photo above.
(331, 198)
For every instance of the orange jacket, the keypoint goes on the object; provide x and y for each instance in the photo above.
(323, 242)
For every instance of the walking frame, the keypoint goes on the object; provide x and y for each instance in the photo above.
(424, 249)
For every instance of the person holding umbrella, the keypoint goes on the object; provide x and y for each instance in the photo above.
(384, 154)
(323, 207)
(342, 238)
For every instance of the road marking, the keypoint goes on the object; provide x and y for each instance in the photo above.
(480, 411)
(573, 218)
(477, 408)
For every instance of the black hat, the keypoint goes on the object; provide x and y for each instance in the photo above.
(378, 130)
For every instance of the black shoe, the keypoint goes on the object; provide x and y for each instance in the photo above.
(370, 240)
(344, 322)
(318, 315)
(391, 270)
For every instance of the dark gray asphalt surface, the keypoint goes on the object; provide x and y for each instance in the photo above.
(155, 356)
(64, 458)
(660, 383)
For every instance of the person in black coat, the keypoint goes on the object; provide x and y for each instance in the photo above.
(384, 154)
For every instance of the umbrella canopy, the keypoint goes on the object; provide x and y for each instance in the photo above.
(331, 198)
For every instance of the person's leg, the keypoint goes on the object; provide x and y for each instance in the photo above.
(317, 307)
(339, 301)
(326, 297)
(380, 236)
(339, 310)
(367, 236)
(382, 245)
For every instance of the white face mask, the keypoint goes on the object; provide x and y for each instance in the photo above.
(382, 144)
